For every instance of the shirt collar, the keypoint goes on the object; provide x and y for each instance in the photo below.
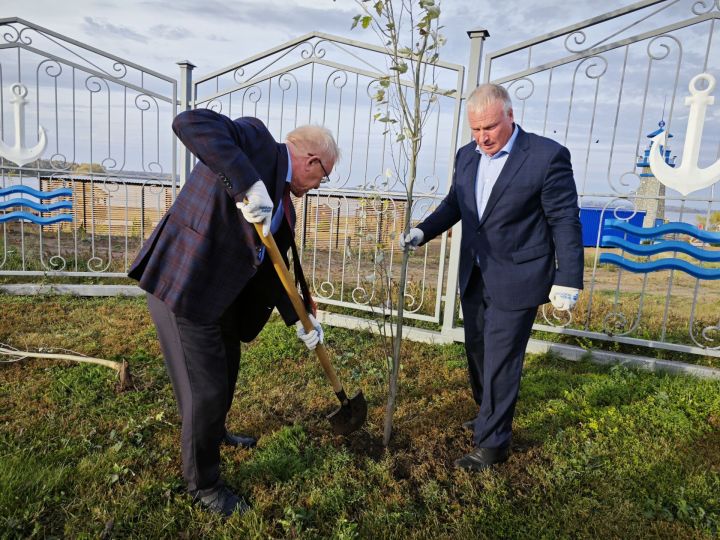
(289, 173)
(505, 149)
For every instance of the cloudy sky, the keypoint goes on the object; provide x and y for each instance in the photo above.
(213, 34)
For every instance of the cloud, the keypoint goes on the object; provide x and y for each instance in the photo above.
(171, 32)
(101, 27)
(215, 37)
(294, 19)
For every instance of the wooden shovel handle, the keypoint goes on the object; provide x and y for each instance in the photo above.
(297, 303)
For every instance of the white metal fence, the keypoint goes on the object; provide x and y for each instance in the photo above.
(111, 165)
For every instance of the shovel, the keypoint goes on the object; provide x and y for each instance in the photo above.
(353, 411)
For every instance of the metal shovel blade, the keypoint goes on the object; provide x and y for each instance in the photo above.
(350, 416)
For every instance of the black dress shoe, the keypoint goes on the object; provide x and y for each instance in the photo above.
(241, 441)
(469, 425)
(223, 501)
(483, 458)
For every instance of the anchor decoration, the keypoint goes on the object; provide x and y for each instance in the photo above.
(18, 153)
(688, 177)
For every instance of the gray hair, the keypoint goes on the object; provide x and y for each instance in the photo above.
(317, 140)
(488, 93)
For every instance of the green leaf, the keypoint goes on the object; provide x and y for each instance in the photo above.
(379, 7)
(400, 67)
(384, 82)
(433, 12)
(366, 20)
(356, 20)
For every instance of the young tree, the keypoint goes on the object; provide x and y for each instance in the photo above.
(409, 31)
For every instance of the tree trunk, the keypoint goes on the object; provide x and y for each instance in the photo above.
(397, 341)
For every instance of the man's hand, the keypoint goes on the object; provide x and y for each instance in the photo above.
(258, 206)
(411, 239)
(311, 338)
(563, 298)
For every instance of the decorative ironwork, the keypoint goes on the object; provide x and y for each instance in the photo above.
(688, 177)
(347, 229)
(19, 153)
(599, 87)
(109, 148)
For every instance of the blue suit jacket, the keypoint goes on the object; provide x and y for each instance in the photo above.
(203, 253)
(529, 236)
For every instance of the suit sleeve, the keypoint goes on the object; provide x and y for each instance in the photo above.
(560, 205)
(285, 307)
(222, 145)
(276, 294)
(445, 215)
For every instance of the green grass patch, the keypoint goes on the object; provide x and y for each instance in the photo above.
(598, 452)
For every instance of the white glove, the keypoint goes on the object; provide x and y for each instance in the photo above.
(259, 206)
(311, 338)
(411, 239)
(563, 298)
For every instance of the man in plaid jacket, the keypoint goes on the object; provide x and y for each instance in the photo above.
(209, 284)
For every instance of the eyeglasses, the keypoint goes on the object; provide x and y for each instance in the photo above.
(326, 178)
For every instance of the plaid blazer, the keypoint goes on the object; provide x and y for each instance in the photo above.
(203, 254)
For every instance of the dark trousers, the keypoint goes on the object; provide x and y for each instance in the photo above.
(202, 361)
(495, 343)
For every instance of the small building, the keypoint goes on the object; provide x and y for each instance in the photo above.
(331, 221)
(113, 205)
(593, 221)
(650, 195)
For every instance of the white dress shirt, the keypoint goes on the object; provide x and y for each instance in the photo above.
(488, 171)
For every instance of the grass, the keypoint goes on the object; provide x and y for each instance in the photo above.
(598, 452)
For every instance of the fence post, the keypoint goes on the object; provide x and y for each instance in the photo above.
(186, 103)
(477, 40)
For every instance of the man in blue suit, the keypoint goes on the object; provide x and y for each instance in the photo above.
(209, 284)
(515, 195)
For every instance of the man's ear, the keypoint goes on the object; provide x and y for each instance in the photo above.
(309, 162)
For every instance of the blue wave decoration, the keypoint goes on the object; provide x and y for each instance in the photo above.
(62, 192)
(35, 206)
(669, 263)
(666, 228)
(662, 247)
(27, 203)
(35, 219)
